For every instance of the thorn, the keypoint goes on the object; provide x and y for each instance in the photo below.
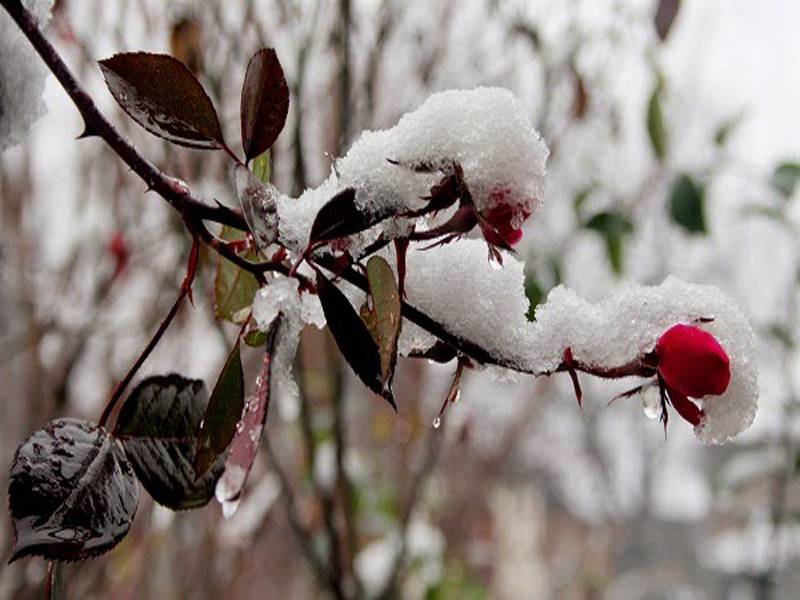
(88, 131)
(569, 363)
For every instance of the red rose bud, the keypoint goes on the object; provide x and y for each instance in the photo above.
(501, 225)
(692, 364)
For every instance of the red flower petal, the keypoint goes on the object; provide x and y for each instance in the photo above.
(685, 407)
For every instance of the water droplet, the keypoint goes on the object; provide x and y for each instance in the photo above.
(457, 397)
(651, 404)
(229, 508)
(437, 422)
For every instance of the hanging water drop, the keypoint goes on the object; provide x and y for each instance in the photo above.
(651, 404)
(437, 422)
(229, 508)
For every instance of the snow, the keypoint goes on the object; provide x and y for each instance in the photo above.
(485, 130)
(22, 77)
(281, 297)
(457, 286)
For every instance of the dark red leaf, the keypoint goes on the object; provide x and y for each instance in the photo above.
(223, 412)
(665, 17)
(158, 426)
(352, 337)
(249, 430)
(160, 93)
(265, 102)
(340, 217)
(72, 493)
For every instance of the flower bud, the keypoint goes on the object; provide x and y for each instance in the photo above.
(691, 362)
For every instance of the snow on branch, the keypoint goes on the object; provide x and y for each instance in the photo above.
(22, 77)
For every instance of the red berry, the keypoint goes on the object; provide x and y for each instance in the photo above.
(692, 363)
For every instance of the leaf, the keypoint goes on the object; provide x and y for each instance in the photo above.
(655, 122)
(158, 425)
(72, 493)
(248, 431)
(535, 294)
(665, 17)
(261, 166)
(341, 217)
(386, 310)
(580, 199)
(223, 412)
(265, 102)
(725, 129)
(352, 337)
(160, 93)
(234, 288)
(259, 204)
(785, 178)
(613, 226)
(687, 204)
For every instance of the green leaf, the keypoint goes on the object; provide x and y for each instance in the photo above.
(261, 166)
(687, 204)
(234, 288)
(222, 414)
(580, 199)
(782, 334)
(157, 426)
(785, 178)
(163, 96)
(535, 294)
(727, 128)
(613, 226)
(655, 122)
(386, 310)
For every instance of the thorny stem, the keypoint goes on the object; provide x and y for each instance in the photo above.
(186, 289)
(195, 212)
(96, 124)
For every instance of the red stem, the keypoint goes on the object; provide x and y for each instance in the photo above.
(186, 289)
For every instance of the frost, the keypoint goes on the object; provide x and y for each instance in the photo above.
(485, 130)
(22, 77)
(259, 205)
(457, 287)
(281, 296)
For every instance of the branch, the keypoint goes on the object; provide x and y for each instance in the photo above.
(186, 290)
(172, 190)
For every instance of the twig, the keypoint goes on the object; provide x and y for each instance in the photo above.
(186, 288)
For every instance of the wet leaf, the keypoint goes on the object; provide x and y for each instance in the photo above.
(234, 288)
(259, 202)
(248, 432)
(785, 178)
(656, 129)
(687, 204)
(352, 337)
(160, 93)
(265, 102)
(223, 412)
(341, 217)
(72, 493)
(386, 308)
(158, 425)
(665, 17)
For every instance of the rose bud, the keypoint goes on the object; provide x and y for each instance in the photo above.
(501, 224)
(691, 364)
